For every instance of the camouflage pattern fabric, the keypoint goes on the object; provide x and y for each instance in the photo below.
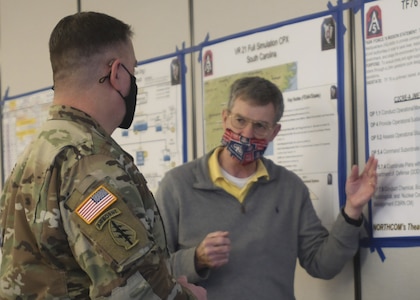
(78, 221)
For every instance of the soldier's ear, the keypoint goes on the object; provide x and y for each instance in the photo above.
(114, 76)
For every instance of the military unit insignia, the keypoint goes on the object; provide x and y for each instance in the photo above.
(122, 234)
(95, 204)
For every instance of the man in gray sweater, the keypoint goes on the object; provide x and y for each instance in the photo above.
(236, 222)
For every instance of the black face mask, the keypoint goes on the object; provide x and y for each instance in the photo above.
(130, 102)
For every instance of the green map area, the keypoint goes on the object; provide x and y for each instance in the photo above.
(216, 96)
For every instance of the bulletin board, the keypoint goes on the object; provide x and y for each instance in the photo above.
(156, 139)
(392, 74)
(313, 109)
(22, 115)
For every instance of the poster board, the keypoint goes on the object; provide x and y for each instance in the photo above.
(156, 139)
(392, 64)
(310, 123)
(22, 115)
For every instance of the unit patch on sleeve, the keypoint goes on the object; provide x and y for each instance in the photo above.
(122, 234)
(95, 204)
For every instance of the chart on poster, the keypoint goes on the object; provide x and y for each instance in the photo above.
(392, 65)
(155, 139)
(22, 116)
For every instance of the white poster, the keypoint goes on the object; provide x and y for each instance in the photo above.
(392, 63)
(301, 59)
(22, 117)
(155, 139)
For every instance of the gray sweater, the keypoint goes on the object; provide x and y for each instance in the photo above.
(275, 225)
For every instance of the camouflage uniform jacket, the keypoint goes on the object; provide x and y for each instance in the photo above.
(78, 221)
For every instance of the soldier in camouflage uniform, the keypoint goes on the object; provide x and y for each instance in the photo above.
(77, 219)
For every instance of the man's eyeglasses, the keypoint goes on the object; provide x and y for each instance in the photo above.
(261, 128)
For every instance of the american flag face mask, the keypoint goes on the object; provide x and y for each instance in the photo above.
(244, 149)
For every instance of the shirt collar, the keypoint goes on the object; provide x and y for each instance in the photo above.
(63, 112)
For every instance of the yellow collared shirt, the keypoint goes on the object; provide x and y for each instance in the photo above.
(221, 181)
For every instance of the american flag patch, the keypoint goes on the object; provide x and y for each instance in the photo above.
(95, 204)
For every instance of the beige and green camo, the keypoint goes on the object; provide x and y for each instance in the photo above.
(50, 249)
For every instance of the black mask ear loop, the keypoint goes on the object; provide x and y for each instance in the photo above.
(102, 79)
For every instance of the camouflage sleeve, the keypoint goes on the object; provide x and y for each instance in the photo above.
(110, 228)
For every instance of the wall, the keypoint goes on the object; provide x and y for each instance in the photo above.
(160, 27)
